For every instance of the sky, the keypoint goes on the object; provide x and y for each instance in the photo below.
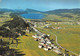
(41, 5)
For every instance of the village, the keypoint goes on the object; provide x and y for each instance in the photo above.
(44, 39)
(39, 27)
(47, 44)
(27, 27)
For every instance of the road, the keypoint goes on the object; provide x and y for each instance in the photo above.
(63, 47)
(56, 39)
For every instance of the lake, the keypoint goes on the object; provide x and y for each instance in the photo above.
(33, 16)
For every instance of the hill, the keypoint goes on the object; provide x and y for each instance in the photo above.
(17, 11)
(63, 15)
(32, 11)
(59, 11)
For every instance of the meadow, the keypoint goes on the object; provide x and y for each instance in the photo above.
(68, 36)
(29, 47)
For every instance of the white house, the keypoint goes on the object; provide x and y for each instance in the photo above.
(48, 42)
(49, 47)
(41, 43)
(40, 46)
(46, 49)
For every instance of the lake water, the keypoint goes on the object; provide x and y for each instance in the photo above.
(33, 16)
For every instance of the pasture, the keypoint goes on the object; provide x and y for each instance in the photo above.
(29, 47)
(68, 35)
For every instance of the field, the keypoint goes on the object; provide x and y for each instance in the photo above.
(68, 36)
(4, 17)
(29, 47)
(62, 17)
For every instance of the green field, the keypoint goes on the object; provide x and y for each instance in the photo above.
(29, 47)
(4, 17)
(68, 36)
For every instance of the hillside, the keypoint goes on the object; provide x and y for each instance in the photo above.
(59, 11)
(63, 15)
(32, 11)
(19, 10)
(55, 15)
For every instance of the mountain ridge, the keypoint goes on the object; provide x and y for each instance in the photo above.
(57, 11)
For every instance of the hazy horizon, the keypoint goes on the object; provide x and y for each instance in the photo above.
(36, 9)
(41, 5)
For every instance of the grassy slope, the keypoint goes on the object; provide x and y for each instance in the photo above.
(69, 38)
(61, 17)
(5, 17)
(29, 47)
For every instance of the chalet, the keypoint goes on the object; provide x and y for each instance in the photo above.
(35, 36)
(42, 40)
(49, 47)
(48, 42)
(46, 39)
(52, 45)
(40, 46)
(55, 47)
(41, 43)
(46, 49)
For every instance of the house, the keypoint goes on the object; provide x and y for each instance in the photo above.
(48, 42)
(45, 45)
(35, 36)
(52, 45)
(46, 49)
(49, 47)
(55, 47)
(41, 43)
(40, 46)
(46, 39)
(36, 39)
(57, 51)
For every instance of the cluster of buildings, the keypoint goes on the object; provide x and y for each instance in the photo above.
(46, 43)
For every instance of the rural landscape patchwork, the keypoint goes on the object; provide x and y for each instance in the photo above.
(39, 31)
